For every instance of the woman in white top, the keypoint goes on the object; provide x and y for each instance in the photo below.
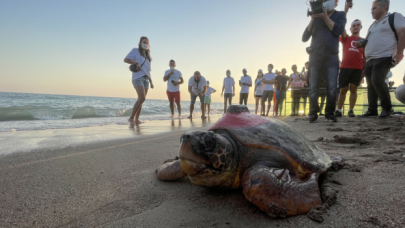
(259, 86)
(141, 78)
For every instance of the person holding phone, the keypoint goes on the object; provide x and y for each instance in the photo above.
(174, 79)
(141, 77)
(229, 89)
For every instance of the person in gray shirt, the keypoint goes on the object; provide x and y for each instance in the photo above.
(384, 49)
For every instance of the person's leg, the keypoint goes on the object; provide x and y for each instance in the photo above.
(261, 107)
(256, 104)
(269, 99)
(315, 69)
(177, 101)
(264, 101)
(140, 90)
(202, 106)
(240, 98)
(292, 103)
(274, 104)
(371, 93)
(281, 101)
(379, 72)
(342, 97)
(353, 95)
(330, 78)
(138, 113)
(192, 102)
(230, 98)
(209, 109)
(225, 103)
(246, 98)
(171, 101)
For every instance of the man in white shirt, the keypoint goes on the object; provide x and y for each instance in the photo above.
(383, 50)
(207, 98)
(268, 80)
(197, 87)
(174, 80)
(245, 83)
(229, 87)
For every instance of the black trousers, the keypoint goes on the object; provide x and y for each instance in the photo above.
(375, 71)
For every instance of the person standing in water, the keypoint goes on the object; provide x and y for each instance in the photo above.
(174, 79)
(259, 86)
(207, 99)
(140, 57)
(229, 88)
(197, 87)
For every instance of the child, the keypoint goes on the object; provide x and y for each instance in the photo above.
(207, 99)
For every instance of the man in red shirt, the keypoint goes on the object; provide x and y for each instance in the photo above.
(351, 70)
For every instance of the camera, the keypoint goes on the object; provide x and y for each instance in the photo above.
(316, 7)
(362, 41)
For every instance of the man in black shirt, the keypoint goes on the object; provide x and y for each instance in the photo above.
(281, 90)
(325, 30)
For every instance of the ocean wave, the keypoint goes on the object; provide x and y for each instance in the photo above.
(30, 112)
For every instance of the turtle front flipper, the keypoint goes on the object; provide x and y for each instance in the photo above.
(170, 171)
(278, 193)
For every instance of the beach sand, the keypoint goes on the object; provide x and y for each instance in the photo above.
(109, 181)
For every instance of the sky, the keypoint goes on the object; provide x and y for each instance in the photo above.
(77, 47)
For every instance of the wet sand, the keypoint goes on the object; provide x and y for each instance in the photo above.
(111, 183)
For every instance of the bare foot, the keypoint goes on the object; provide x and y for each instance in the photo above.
(180, 117)
(190, 117)
(204, 117)
(131, 121)
(138, 122)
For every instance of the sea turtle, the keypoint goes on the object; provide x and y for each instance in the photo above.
(276, 166)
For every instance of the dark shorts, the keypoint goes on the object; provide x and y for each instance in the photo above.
(267, 95)
(194, 98)
(258, 95)
(228, 96)
(349, 76)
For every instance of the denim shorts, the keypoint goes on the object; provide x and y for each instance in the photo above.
(193, 98)
(143, 81)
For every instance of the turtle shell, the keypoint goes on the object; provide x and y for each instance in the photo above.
(258, 132)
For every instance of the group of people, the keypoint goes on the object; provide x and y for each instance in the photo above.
(371, 57)
(268, 87)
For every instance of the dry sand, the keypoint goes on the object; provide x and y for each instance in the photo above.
(113, 184)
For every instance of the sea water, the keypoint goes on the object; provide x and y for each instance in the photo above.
(25, 111)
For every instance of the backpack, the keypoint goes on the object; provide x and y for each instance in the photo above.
(391, 19)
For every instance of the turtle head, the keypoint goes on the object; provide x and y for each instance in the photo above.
(207, 158)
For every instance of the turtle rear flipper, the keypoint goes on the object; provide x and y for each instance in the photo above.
(278, 193)
(170, 171)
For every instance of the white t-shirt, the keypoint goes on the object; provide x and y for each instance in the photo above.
(382, 42)
(259, 86)
(245, 79)
(209, 91)
(269, 87)
(228, 82)
(134, 55)
(197, 87)
(174, 77)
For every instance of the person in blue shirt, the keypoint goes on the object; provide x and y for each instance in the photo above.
(325, 29)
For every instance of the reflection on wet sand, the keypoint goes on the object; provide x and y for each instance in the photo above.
(153, 127)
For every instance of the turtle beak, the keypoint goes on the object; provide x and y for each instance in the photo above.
(191, 161)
